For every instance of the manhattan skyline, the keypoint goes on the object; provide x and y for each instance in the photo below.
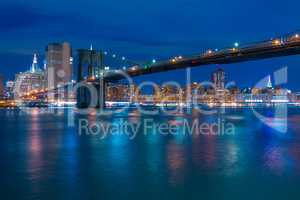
(141, 34)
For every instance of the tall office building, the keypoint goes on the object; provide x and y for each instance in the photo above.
(218, 78)
(32, 80)
(59, 64)
(269, 84)
(9, 89)
(1, 86)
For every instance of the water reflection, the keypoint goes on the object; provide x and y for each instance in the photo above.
(58, 161)
(176, 163)
(35, 146)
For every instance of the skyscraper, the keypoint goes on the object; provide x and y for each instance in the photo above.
(269, 84)
(29, 81)
(1, 86)
(34, 66)
(59, 64)
(9, 89)
(218, 78)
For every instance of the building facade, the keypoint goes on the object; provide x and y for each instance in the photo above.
(1, 86)
(58, 64)
(9, 89)
(218, 79)
(32, 80)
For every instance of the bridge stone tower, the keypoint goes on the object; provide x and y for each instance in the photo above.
(90, 73)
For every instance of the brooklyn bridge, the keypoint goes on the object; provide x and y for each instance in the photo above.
(91, 70)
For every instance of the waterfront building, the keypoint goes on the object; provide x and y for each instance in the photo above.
(297, 96)
(59, 64)
(170, 93)
(1, 86)
(30, 81)
(121, 92)
(9, 88)
(256, 91)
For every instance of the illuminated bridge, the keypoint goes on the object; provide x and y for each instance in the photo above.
(281, 46)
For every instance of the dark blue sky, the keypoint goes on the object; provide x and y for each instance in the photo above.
(146, 29)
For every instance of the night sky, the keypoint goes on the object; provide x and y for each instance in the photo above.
(147, 29)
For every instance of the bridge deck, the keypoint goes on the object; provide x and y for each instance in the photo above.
(274, 48)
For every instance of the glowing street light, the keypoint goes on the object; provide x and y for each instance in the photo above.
(153, 61)
(236, 44)
(276, 42)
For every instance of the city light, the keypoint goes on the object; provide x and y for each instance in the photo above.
(236, 44)
(153, 61)
(276, 42)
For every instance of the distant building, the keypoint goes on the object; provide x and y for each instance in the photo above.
(32, 80)
(122, 92)
(218, 78)
(59, 64)
(1, 86)
(297, 96)
(269, 84)
(9, 89)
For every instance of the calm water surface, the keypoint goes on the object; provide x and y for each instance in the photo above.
(42, 156)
